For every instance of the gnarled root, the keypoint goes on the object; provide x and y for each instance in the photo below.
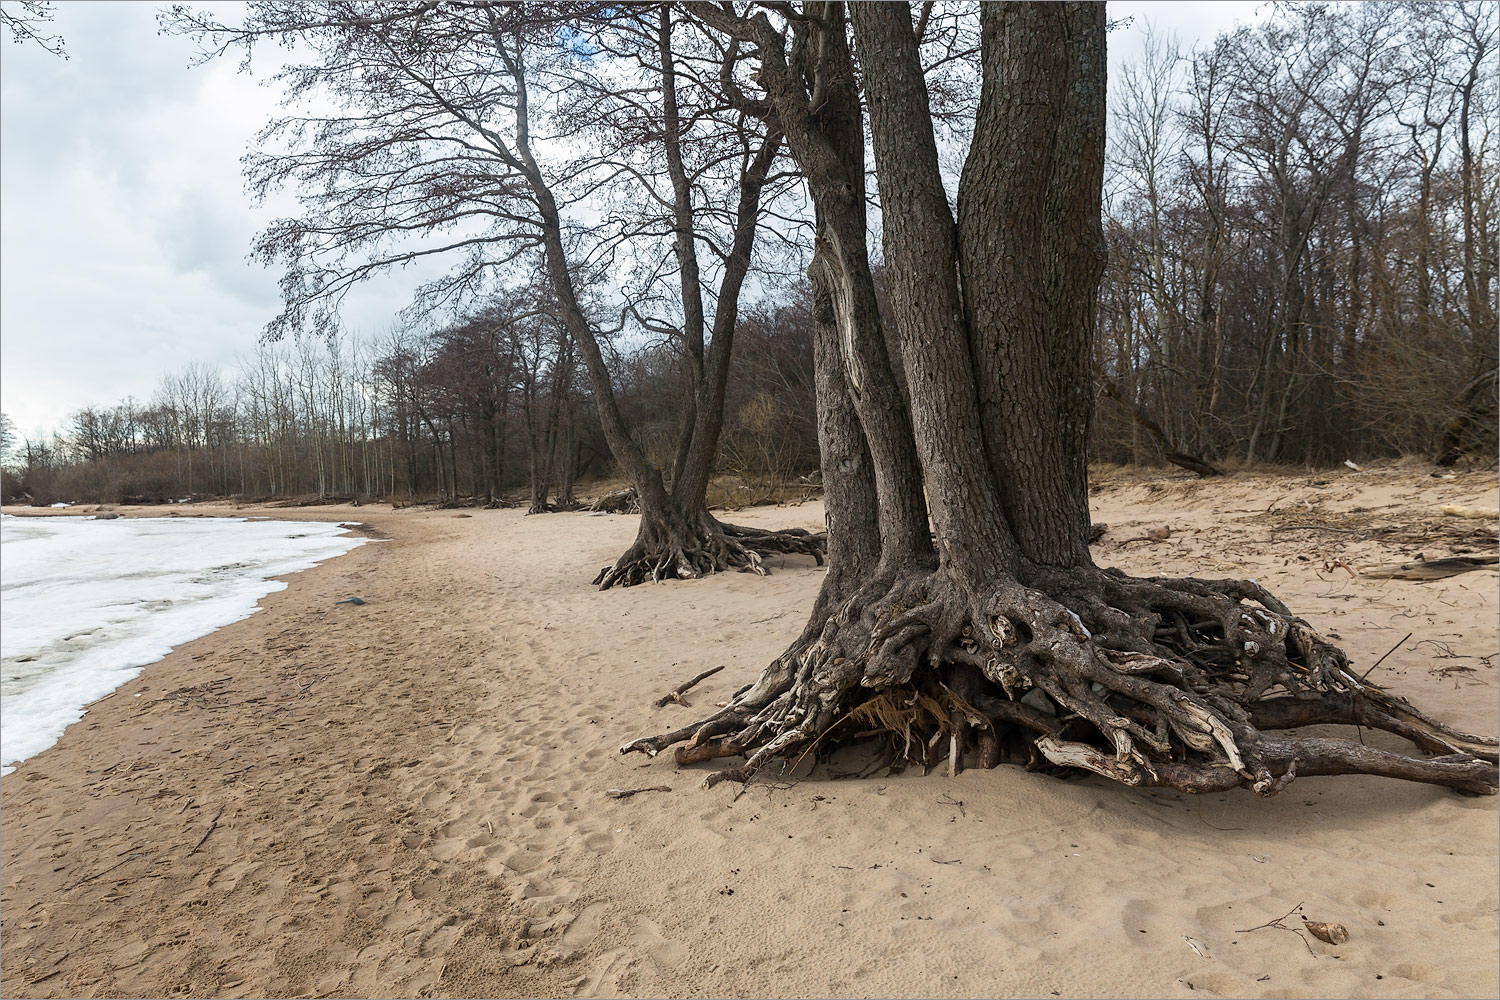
(560, 507)
(1168, 682)
(707, 546)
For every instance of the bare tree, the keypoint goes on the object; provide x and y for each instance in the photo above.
(7, 436)
(456, 131)
(1474, 38)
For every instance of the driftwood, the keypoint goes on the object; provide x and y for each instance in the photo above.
(675, 695)
(1474, 513)
(1433, 569)
(625, 793)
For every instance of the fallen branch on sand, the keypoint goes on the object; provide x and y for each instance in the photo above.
(128, 858)
(1278, 925)
(625, 793)
(1434, 569)
(675, 695)
(212, 826)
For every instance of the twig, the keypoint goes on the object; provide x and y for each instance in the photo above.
(675, 695)
(1277, 923)
(625, 793)
(107, 870)
(1273, 923)
(1317, 527)
(212, 826)
(1388, 652)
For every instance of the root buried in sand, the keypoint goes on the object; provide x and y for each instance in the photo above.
(1179, 683)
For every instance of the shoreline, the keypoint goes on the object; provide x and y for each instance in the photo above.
(408, 797)
(189, 607)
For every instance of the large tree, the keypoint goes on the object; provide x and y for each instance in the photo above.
(998, 630)
(582, 143)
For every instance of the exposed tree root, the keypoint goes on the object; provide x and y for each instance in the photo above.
(622, 501)
(547, 507)
(666, 552)
(1168, 682)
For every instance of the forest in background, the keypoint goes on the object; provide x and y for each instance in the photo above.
(1302, 250)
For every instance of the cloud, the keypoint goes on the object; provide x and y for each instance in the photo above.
(123, 219)
(124, 225)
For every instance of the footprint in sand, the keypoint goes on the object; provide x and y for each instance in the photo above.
(129, 955)
(600, 843)
(665, 953)
(602, 980)
(426, 887)
(1374, 899)
(538, 802)
(1419, 972)
(445, 849)
(585, 927)
(518, 861)
(402, 918)
(440, 938)
(1470, 918)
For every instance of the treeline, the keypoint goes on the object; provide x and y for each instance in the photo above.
(1303, 241)
(489, 409)
(1301, 229)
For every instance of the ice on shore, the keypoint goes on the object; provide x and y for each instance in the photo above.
(85, 604)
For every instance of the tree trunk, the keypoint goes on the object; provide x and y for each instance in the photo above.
(567, 459)
(1012, 638)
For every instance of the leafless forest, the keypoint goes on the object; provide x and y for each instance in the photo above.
(1302, 248)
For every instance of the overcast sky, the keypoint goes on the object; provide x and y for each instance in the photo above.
(123, 219)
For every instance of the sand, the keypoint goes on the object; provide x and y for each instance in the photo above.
(407, 798)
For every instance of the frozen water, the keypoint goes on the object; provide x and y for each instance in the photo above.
(85, 604)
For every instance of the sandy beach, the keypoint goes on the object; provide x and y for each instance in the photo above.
(408, 797)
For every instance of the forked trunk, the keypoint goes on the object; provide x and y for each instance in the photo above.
(678, 538)
(1011, 640)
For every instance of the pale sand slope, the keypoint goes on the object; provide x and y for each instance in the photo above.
(413, 794)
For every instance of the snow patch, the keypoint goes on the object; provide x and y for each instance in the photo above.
(85, 604)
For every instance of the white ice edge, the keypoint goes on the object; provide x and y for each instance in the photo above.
(86, 604)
